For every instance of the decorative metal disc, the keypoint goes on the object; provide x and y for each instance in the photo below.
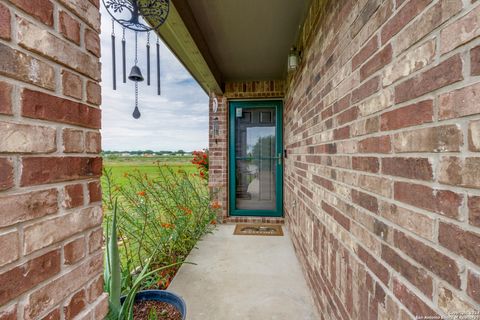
(133, 14)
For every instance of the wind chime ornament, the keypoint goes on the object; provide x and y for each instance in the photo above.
(134, 15)
(136, 76)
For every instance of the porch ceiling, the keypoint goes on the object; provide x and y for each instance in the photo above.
(249, 39)
(238, 39)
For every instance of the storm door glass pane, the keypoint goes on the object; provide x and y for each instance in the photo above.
(255, 158)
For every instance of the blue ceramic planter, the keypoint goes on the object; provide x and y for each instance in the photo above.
(163, 296)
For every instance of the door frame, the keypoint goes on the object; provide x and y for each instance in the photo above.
(278, 105)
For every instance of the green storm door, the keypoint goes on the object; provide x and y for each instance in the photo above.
(256, 158)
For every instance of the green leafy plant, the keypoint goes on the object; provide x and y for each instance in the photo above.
(113, 278)
(152, 315)
(112, 271)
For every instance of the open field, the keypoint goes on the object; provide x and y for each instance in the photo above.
(145, 165)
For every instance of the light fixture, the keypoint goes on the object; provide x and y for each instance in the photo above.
(293, 59)
(215, 129)
(215, 105)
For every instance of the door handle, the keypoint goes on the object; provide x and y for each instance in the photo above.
(279, 158)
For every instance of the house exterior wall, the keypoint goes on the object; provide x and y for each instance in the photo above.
(51, 261)
(382, 178)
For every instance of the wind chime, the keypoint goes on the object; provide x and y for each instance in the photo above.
(137, 16)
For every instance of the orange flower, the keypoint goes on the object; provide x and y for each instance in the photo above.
(216, 205)
(214, 222)
(142, 193)
(125, 174)
(187, 211)
(168, 225)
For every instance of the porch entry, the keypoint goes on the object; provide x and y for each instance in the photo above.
(256, 158)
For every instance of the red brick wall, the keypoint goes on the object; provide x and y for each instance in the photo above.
(382, 179)
(255, 89)
(50, 210)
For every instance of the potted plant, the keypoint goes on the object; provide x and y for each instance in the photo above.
(148, 304)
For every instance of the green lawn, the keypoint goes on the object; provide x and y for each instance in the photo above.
(146, 165)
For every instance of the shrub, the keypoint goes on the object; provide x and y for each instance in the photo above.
(160, 218)
(200, 160)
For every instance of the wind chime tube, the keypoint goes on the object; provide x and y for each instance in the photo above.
(124, 63)
(114, 64)
(158, 69)
(148, 64)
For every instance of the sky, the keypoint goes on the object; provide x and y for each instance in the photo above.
(178, 119)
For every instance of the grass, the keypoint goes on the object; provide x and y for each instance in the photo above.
(145, 165)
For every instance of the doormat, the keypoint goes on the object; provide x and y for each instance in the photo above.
(256, 229)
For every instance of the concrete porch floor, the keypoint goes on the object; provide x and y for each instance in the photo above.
(244, 277)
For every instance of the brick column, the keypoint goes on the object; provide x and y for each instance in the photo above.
(218, 148)
(51, 261)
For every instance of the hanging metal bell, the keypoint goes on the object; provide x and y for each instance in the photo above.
(135, 74)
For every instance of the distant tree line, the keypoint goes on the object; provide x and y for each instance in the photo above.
(142, 152)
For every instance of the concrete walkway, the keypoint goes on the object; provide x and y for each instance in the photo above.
(244, 278)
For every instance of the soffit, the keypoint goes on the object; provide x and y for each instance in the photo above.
(246, 39)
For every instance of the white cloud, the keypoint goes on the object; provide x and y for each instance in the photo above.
(178, 119)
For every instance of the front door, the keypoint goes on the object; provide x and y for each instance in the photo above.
(256, 158)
